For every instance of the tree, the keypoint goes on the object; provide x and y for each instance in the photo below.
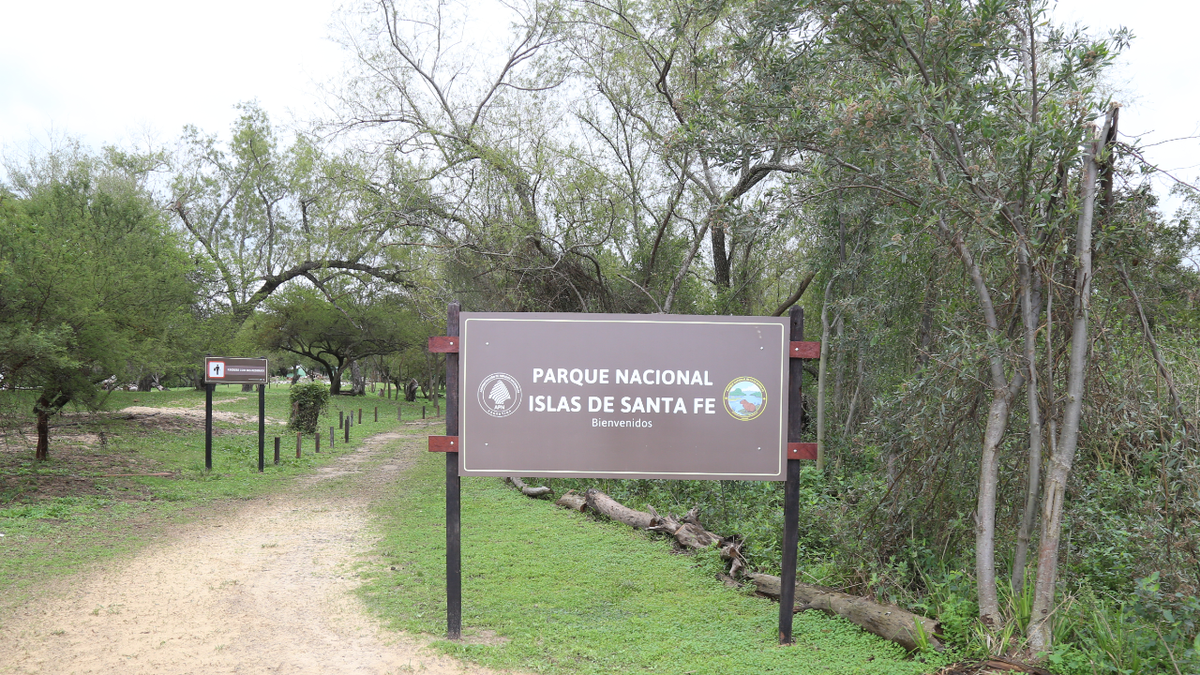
(92, 277)
(262, 217)
(337, 333)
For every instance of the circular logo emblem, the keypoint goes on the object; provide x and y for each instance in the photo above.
(499, 395)
(745, 398)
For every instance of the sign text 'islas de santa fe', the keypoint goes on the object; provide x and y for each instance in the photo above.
(623, 396)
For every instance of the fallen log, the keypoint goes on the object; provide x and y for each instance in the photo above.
(136, 475)
(605, 505)
(527, 490)
(687, 531)
(887, 621)
(574, 501)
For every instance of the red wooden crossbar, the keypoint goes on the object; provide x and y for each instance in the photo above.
(802, 451)
(805, 350)
(442, 344)
(443, 443)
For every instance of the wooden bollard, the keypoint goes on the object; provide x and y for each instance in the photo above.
(347, 430)
(399, 414)
(331, 438)
(376, 413)
(316, 442)
(298, 446)
(276, 450)
(360, 415)
(341, 419)
(422, 412)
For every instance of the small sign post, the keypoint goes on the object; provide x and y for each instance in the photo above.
(227, 370)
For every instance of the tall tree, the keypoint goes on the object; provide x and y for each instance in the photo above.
(263, 217)
(92, 278)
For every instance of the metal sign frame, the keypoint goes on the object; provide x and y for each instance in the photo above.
(235, 370)
(794, 451)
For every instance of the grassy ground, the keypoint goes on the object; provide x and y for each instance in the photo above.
(61, 516)
(549, 590)
(545, 590)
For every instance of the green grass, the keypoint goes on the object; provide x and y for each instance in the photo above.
(569, 594)
(62, 516)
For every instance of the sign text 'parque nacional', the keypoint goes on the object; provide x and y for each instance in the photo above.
(231, 370)
(623, 396)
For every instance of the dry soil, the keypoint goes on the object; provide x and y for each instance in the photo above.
(263, 587)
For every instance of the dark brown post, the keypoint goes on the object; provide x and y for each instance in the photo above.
(208, 396)
(360, 415)
(347, 430)
(262, 424)
(297, 446)
(276, 450)
(331, 438)
(453, 495)
(791, 494)
(376, 413)
(341, 419)
(317, 443)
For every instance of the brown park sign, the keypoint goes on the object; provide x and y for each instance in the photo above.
(228, 370)
(623, 396)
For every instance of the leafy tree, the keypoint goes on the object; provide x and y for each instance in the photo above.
(91, 278)
(336, 334)
(263, 217)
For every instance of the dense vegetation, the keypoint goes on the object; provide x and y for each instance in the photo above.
(1009, 393)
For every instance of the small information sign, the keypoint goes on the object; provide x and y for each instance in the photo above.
(221, 369)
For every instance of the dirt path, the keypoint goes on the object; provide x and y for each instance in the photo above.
(263, 588)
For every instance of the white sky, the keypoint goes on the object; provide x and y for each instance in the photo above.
(127, 70)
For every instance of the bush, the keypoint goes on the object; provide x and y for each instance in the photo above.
(309, 402)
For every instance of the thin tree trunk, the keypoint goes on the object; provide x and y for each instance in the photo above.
(821, 369)
(1040, 629)
(1176, 402)
(42, 452)
(1033, 479)
(358, 384)
(858, 381)
(989, 460)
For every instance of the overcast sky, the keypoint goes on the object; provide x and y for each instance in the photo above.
(125, 70)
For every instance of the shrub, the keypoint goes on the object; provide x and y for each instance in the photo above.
(309, 402)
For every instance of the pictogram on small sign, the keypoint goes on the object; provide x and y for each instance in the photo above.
(216, 370)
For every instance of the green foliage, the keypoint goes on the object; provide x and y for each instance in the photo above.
(93, 280)
(574, 595)
(309, 403)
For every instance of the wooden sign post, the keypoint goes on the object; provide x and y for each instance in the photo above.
(234, 370)
(623, 396)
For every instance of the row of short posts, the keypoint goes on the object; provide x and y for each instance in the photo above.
(344, 423)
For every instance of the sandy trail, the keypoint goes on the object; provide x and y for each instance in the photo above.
(261, 588)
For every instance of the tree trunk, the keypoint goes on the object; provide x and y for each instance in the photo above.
(720, 256)
(358, 384)
(42, 452)
(887, 621)
(1029, 317)
(1040, 630)
(335, 381)
(985, 509)
(1176, 402)
(822, 368)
